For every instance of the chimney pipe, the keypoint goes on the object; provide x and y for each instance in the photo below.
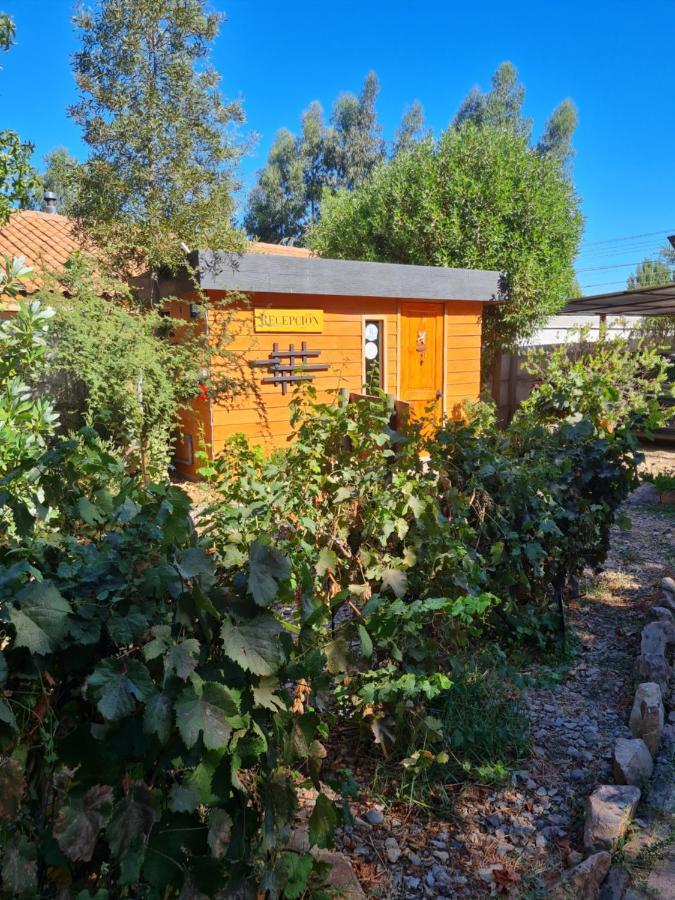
(49, 202)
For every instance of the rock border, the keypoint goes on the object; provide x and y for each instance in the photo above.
(611, 807)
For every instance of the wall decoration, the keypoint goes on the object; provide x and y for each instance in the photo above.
(292, 372)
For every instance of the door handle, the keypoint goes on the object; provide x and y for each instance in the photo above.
(439, 394)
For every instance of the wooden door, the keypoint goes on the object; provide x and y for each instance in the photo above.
(422, 356)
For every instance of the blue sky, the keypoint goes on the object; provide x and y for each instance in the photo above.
(611, 58)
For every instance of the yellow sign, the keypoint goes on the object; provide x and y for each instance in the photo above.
(289, 320)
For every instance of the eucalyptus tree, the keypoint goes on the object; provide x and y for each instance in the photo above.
(162, 141)
(412, 129)
(17, 176)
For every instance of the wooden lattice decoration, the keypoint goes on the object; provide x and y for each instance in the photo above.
(297, 368)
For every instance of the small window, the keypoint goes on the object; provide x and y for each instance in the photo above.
(373, 354)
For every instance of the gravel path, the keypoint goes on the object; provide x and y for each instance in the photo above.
(516, 839)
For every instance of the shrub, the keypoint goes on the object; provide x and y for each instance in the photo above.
(150, 731)
(116, 368)
(26, 419)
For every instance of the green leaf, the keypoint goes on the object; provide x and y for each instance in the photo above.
(125, 629)
(88, 512)
(3, 668)
(183, 798)
(254, 643)
(194, 562)
(327, 562)
(118, 684)
(77, 827)
(220, 832)
(159, 644)
(6, 714)
(19, 868)
(157, 717)
(366, 642)
(267, 569)
(11, 788)
(263, 694)
(298, 868)
(40, 619)
(182, 658)
(206, 714)
(322, 822)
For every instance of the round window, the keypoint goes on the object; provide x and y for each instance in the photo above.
(372, 331)
(371, 350)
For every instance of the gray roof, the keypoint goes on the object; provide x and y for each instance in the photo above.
(256, 272)
(650, 301)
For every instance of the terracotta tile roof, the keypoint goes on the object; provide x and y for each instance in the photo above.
(278, 249)
(45, 240)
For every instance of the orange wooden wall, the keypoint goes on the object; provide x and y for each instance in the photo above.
(341, 346)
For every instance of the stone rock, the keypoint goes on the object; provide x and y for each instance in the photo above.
(374, 817)
(393, 850)
(609, 811)
(583, 881)
(668, 585)
(652, 664)
(663, 613)
(647, 716)
(615, 885)
(632, 762)
(656, 637)
(341, 876)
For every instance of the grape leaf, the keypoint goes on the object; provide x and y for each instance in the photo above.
(266, 569)
(19, 869)
(298, 868)
(183, 798)
(327, 562)
(323, 820)
(11, 788)
(77, 828)
(220, 830)
(254, 643)
(396, 580)
(366, 642)
(6, 714)
(40, 618)
(264, 695)
(118, 684)
(157, 716)
(206, 714)
(182, 658)
(194, 562)
(131, 819)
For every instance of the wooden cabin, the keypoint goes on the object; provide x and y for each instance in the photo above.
(295, 318)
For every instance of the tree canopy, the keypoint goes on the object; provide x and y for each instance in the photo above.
(17, 176)
(652, 272)
(481, 197)
(343, 154)
(160, 173)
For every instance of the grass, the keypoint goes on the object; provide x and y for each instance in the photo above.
(485, 733)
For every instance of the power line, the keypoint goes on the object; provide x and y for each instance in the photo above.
(641, 246)
(630, 237)
(602, 284)
(615, 266)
